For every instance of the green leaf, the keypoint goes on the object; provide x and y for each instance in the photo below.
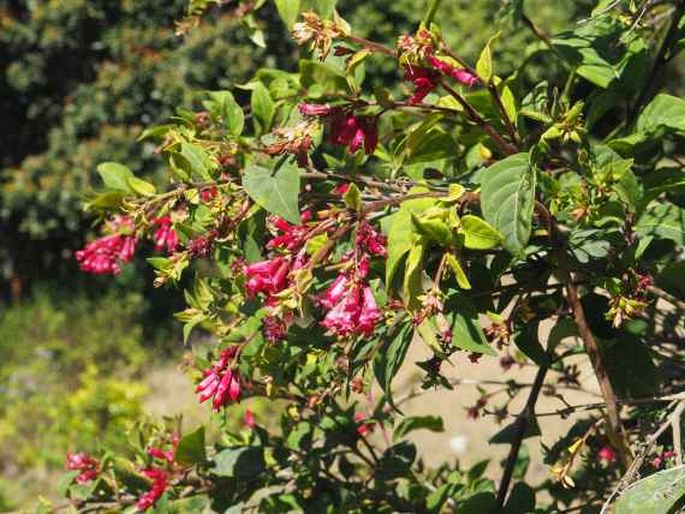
(396, 462)
(458, 270)
(263, 108)
(400, 231)
(484, 66)
(413, 276)
(276, 192)
(508, 199)
(233, 115)
(328, 79)
(288, 10)
(663, 112)
(479, 235)
(115, 176)
(243, 462)
(142, 187)
(199, 160)
(521, 499)
(432, 229)
(527, 341)
(191, 448)
(467, 333)
(388, 361)
(660, 493)
(509, 434)
(409, 424)
(629, 366)
(665, 221)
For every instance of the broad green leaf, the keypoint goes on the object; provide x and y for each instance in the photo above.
(191, 448)
(400, 231)
(479, 235)
(407, 425)
(396, 462)
(521, 499)
(243, 462)
(388, 361)
(660, 493)
(140, 186)
(629, 366)
(276, 192)
(665, 221)
(115, 176)
(598, 52)
(467, 333)
(263, 108)
(664, 111)
(508, 199)
(527, 341)
(199, 160)
(326, 78)
(289, 10)
(233, 115)
(433, 229)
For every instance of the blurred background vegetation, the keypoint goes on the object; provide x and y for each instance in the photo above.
(79, 81)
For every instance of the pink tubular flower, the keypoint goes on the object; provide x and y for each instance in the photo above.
(370, 313)
(354, 131)
(425, 80)
(165, 235)
(267, 277)
(221, 382)
(368, 239)
(88, 466)
(160, 482)
(461, 75)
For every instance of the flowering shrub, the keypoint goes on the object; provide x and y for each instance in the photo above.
(327, 227)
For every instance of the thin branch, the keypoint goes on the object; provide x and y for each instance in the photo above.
(521, 426)
(475, 117)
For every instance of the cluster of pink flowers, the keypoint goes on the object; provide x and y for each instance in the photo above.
(423, 68)
(345, 127)
(165, 235)
(351, 303)
(424, 79)
(221, 381)
(160, 482)
(158, 476)
(88, 466)
(353, 308)
(105, 255)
